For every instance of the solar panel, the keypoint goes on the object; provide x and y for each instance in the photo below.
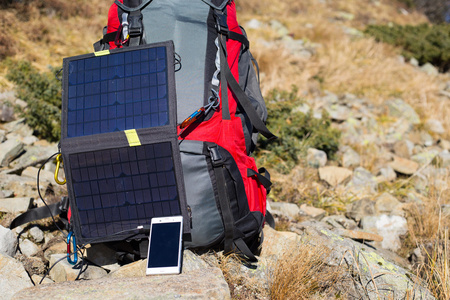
(119, 91)
(119, 141)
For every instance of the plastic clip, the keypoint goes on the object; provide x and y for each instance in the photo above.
(71, 240)
(58, 163)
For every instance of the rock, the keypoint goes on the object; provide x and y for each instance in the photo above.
(386, 174)
(19, 128)
(64, 271)
(334, 175)
(279, 28)
(101, 255)
(37, 279)
(59, 247)
(6, 194)
(389, 227)
(351, 159)
(394, 281)
(429, 69)
(8, 242)
(434, 126)
(36, 234)
(444, 144)
(338, 112)
(278, 242)
(33, 265)
(289, 210)
(44, 176)
(207, 283)
(9, 150)
(362, 181)
(28, 248)
(313, 212)
(400, 109)
(13, 277)
(253, 24)
(425, 158)
(359, 235)
(404, 148)
(191, 262)
(33, 156)
(442, 160)
(404, 166)
(6, 113)
(414, 62)
(302, 108)
(361, 208)
(21, 186)
(15, 205)
(445, 208)
(386, 204)
(316, 158)
(340, 222)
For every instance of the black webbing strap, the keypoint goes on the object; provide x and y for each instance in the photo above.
(41, 213)
(231, 244)
(240, 38)
(264, 179)
(130, 9)
(244, 101)
(223, 79)
(227, 216)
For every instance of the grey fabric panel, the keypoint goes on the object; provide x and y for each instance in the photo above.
(249, 83)
(206, 221)
(189, 33)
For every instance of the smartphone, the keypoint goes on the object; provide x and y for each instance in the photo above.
(165, 245)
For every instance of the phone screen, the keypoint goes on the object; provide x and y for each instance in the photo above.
(164, 247)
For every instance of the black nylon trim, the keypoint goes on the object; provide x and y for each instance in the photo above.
(37, 214)
(240, 38)
(223, 79)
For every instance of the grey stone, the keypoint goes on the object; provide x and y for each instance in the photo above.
(338, 221)
(316, 158)
(8, 242)
(351, 159)
(429, 69)
(13, 277)
(313, 212)
(414, 62)
(44, 176)
(425, 158)
(9, 150)
(15, 205)
(396, 282)
(404, 148)
(205, 283)
(445, 208)
(28, 248)
(334, 175)
(442, 160)
(6, 194)
(360, 208)
(6, 113)
(386, 204)
(64, 271)
(391, 228)
(400, 109)
(434, 126)
(386, 174)
(302, 108)
(254, 24)
(37, 279)
(19, 127)
(36, 234)
(279, 28)
(338, 112)
(101, 255)
(289, 210)
(2, 135)
(362, 181)
(34, 155)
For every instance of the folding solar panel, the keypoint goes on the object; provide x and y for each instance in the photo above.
(120, 148)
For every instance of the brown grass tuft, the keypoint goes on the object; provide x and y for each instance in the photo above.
(303, 274)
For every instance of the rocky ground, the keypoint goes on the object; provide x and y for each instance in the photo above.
(363, 240)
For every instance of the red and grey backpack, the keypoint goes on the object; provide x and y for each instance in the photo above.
(220, 112)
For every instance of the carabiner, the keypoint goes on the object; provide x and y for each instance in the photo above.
(58, 163)
(69, 251)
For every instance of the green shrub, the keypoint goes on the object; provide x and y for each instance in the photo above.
(296, 133)
(424, 42)
(42, 93)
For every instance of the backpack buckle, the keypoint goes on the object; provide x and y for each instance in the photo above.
(221, 23)
(216, 157)
(135, 27)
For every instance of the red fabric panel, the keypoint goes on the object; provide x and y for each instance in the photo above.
(113, 21)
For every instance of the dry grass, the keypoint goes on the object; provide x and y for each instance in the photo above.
(303, 274)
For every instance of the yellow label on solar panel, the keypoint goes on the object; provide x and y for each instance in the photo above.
(133, 138)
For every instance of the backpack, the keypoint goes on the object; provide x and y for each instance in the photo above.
(220, 110)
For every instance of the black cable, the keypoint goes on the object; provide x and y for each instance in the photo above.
(48, 271)
(40, 196)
